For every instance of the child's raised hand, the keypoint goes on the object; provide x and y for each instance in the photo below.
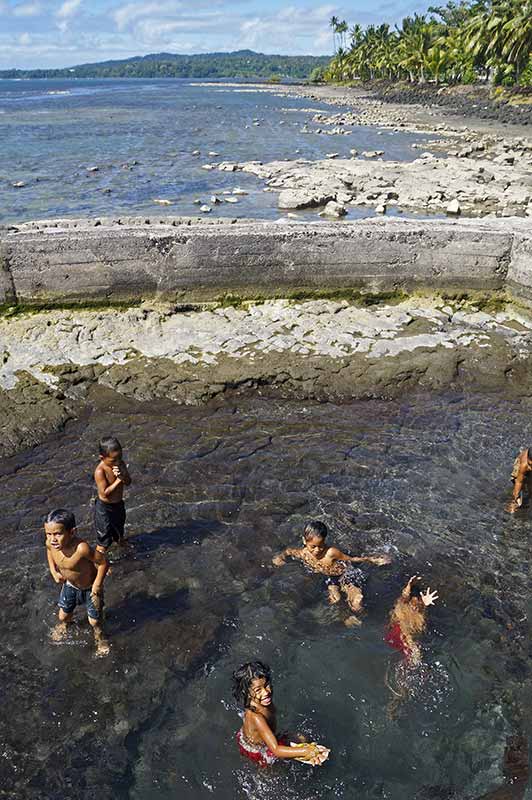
(279, 560)
(429, 597)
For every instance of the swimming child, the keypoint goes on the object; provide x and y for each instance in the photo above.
(340, 576)
(80, 570)
(111, 475)
(256, 739)
(408, 620)
(521, 477)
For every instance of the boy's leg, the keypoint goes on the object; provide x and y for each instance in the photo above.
(60, 630)
(334, 594)
(95, 616)
(354, 599)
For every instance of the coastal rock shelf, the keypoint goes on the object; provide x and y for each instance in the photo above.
(103, 262)
(323, 349)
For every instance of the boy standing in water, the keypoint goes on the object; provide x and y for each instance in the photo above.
(340, 576)
(521, 475)
(111, 475)
(80, 570)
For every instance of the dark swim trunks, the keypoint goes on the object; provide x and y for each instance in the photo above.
(352, 576)
(109, 521)
(71, 597)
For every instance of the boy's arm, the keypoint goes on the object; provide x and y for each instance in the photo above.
(290, 552)
(518, 485)
(308, 751)
(102, 567)
(82, 551)
(54, 571)
(337, 555)
(124, 474)
(104, 488)
(405, 594)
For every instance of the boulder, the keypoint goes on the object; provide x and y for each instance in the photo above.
(333, 209)
(453, 208)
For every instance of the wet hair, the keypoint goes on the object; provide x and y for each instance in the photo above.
(244, 676)
(60, 516)
(315, 528)
(108, 445)
(529, 453)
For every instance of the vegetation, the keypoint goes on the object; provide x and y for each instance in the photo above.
(243, 64)
(461, 42)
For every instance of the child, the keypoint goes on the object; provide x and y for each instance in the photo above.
(111, 476)
(80, 570)
(408, 620)
(521, 476)
(331, 562)
(252, 688)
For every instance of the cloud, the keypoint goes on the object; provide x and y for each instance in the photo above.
(24, 39)
(131, 12)
(65, 12)
(27, 10)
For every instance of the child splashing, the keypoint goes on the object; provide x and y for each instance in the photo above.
(252, 689)
(340, 575)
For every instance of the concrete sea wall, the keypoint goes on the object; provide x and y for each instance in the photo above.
(186, 260)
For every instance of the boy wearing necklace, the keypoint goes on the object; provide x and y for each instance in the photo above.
(80, 570)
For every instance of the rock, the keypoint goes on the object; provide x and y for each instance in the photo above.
(197, 202)
(239, 191)
(213, 153)
(196, 153)
(372, 153)
(93, 169)
(208, 166)
(226, 166)
(162, 202)
(453, 208)
(332, 155)
(333, 209)
(205, 209)
(381, 208)
(215, 200)
(505, 158)
(18, 185)
(353, 152)
(231, 199)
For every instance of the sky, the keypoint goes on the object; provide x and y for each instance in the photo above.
(62, 33)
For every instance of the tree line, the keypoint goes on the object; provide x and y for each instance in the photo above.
(461, 42)
(244, 64)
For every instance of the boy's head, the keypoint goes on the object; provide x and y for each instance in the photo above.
(252, 684)
(314, 537)
(59, 527)
(110, 451)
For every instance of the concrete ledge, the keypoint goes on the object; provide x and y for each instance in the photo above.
(78, 261)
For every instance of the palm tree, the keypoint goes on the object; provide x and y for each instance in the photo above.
(333, 23)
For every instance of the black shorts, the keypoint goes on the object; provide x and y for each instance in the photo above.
(109, 521)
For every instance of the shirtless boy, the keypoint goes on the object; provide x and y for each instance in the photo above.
(521, 477)
(111, 475)
(80, 570)
(331, 562)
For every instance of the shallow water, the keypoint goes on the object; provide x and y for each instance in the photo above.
(53, 130)
(217, 491)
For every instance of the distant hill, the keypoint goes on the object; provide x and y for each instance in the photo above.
(243, 64)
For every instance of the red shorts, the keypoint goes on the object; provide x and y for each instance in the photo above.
(394, 638)
(258, 753)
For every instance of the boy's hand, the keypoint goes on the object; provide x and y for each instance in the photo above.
(380, 561)
(279, 561)
(116, 472)
(514, 504)
(429, 597)
(58, 578)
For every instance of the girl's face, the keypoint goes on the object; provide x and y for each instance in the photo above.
(260, 692)
(315, 545)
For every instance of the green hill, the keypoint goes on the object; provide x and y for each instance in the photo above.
(242, 64)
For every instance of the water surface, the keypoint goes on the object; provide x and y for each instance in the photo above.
(217, 491)
(141, 134)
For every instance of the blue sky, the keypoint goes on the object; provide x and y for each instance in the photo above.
(61, 33)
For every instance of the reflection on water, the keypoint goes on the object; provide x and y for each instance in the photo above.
(217, 491)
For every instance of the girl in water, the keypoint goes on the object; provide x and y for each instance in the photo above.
(252, 688)
(408, 620)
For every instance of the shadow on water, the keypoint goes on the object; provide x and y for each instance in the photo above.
(138, 609)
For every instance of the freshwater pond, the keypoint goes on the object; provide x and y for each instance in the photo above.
(217, 491)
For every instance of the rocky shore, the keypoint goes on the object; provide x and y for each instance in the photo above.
(51, 362)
